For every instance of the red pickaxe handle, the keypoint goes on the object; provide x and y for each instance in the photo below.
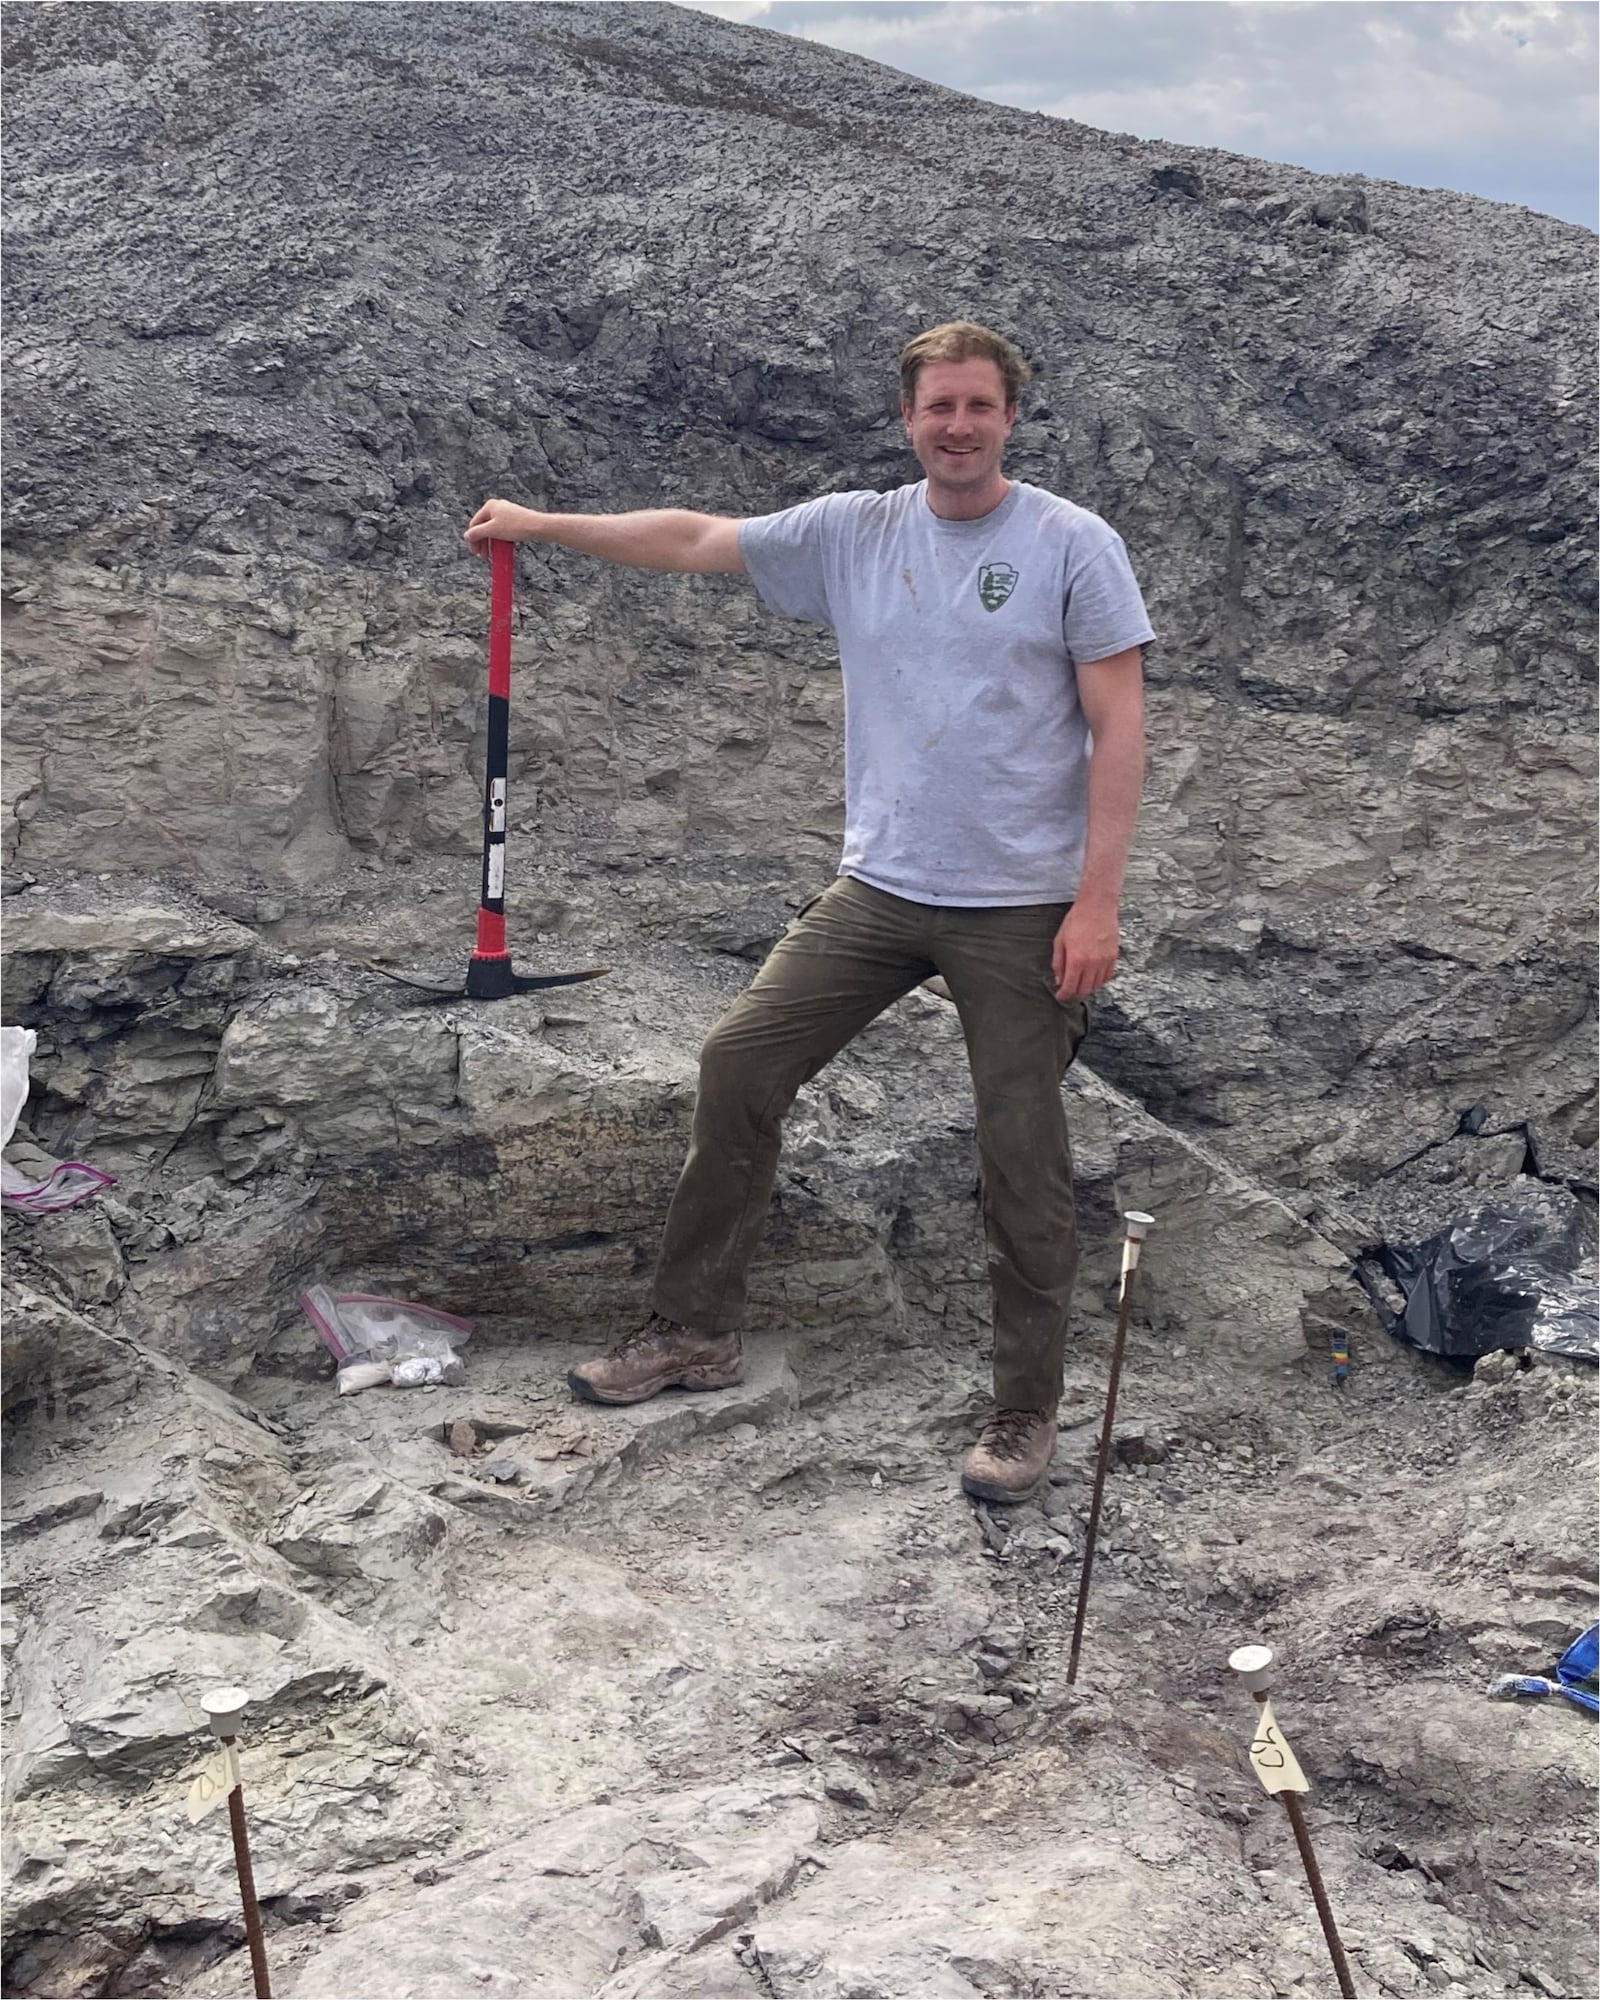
(492, 900)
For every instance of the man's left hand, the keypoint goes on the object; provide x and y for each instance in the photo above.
(1084, 955)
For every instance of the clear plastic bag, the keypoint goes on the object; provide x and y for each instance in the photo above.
(68, 1184)
(418, 1342)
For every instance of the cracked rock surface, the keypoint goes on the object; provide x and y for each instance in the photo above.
(735, 1694)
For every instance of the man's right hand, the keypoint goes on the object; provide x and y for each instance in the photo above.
(500, 521)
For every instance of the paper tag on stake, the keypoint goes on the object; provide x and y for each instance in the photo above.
(217, 1778)
(1272, 1759)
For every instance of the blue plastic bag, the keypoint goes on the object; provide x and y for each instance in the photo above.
(1578, 1671)
(1577, 1676)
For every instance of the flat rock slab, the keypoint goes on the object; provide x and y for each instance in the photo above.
(125, 932)
(551, 1916)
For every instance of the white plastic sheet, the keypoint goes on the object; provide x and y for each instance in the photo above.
(16, 1049)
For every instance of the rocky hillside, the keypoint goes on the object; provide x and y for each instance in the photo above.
(289, 291)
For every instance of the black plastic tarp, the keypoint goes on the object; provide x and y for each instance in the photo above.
(1513, 1273)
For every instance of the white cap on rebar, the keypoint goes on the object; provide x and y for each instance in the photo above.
(1253, 1665)
(1137, 1222)
(223, 1707)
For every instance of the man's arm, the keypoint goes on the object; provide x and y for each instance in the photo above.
(1111, 692)
(668, 538)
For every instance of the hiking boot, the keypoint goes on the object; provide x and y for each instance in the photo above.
(659, 1355)
(1011, 1459)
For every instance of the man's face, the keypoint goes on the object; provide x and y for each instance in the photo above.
(959, 423)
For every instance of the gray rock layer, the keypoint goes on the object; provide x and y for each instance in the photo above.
(290, 291)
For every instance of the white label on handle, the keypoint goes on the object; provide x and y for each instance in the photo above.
(497, 873)
(217, 1778)
(1272, 1759)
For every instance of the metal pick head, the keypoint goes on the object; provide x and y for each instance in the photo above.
(1137, 1222)
(224, 1706)
(1253, 1665)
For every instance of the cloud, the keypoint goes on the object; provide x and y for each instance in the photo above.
(1502, 94)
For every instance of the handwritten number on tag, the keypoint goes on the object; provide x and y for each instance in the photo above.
(1267, 1751)
(212, 1783)
(1271, 1758)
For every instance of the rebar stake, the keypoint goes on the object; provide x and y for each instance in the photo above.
(1135, 1223)
(224, 1707)
(1274, 1764)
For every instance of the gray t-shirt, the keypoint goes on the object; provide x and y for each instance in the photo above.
(966, 752)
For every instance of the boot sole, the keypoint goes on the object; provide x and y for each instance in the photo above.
(989, 1489)
(695, 1379)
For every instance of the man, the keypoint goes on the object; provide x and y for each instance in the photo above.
(991, 639)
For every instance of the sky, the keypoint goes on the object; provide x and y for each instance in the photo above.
(1491, 99)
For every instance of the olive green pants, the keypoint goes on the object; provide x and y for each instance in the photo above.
(845, 958)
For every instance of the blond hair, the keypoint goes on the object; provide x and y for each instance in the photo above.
(962, 340)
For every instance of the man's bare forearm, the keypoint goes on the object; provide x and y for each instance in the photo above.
(1116, 777)
(661, 538)
(657, 538)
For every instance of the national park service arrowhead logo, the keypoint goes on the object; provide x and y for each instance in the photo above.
(996, 581)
